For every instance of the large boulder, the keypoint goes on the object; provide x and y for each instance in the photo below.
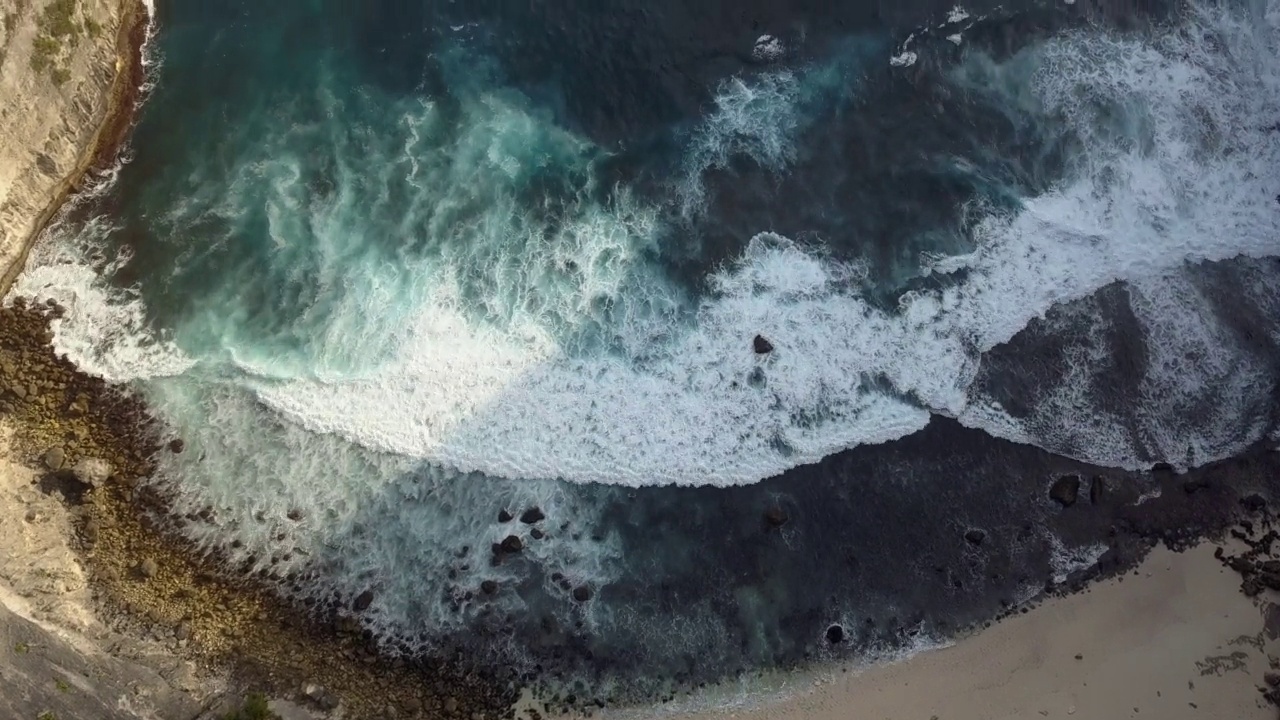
(92, 471)
(54, 458)
(1065, 490)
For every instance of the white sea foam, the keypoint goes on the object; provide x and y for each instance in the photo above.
(1064, 560)
(1175, 166)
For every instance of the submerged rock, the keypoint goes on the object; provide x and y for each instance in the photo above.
(489, 587)
(761, 345)
(362, 601)
(582, 593)
(775, 517)
(1065, 490)
(975, 536)
(1098, 490)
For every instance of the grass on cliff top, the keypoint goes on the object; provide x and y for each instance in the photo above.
(57, 27)
(254, 708)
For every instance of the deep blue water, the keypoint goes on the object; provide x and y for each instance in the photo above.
(402, 266)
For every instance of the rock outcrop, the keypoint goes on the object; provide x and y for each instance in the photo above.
(69, 75)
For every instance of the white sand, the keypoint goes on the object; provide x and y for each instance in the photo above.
(1176, 641)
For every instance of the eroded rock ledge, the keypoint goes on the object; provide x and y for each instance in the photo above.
(70, 75)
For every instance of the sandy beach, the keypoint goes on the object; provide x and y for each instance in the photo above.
(1175, 639)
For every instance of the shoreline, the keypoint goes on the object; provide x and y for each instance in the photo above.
(201, 612)
(122, 99)
(1175, 637)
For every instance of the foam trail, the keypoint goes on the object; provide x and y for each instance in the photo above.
(706, 410)
(556, 350)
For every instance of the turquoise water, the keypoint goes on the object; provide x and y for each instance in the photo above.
(402, 267)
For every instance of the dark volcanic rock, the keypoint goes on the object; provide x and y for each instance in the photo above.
(537, 534)
(1065, 490)
(835, 634)
(512, 544)
(532, 515)
(504, 516)
(177, 445)
(975, 536)
(582, 593)
(489, 587)
(775, 517)
(761, 346)
(1097, 490)
(362, 601)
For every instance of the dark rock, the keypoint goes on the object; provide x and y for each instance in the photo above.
(46, 165)
(1254, 503)
(362, 601)
(294, 514)
(1097, 490)
(1065, 490)
(761, 346)
(835, 634)
(504, 516)
(1272, 679)
(512, 544)
(54, 458)
(177, 445)
(1192, 486)
(975, 536)
(489, 587)
(582, 593)
(775, 517)
(532, 515)
(537, 534)
(1162, 468)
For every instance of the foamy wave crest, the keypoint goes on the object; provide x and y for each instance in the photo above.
(103, 330)
(524, 349)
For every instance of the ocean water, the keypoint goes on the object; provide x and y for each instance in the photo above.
(402, 267)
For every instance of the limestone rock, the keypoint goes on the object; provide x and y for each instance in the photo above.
(54, 458)
(92, 471)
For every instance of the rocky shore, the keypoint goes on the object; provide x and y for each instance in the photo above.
(93, 446)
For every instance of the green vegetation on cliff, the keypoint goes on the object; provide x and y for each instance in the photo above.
(58, 32)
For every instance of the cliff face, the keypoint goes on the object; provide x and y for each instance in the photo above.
(62, 66)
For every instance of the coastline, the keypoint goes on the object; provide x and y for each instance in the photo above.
(120, 101)
(205, 622)
(1174, 638)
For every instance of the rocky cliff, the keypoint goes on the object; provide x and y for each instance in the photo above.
(69, 71)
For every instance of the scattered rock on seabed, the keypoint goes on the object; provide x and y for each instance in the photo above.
(1065, 490)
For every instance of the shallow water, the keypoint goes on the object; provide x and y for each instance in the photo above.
(402, 268)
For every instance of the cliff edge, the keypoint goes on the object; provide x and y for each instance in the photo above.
(70, 71)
